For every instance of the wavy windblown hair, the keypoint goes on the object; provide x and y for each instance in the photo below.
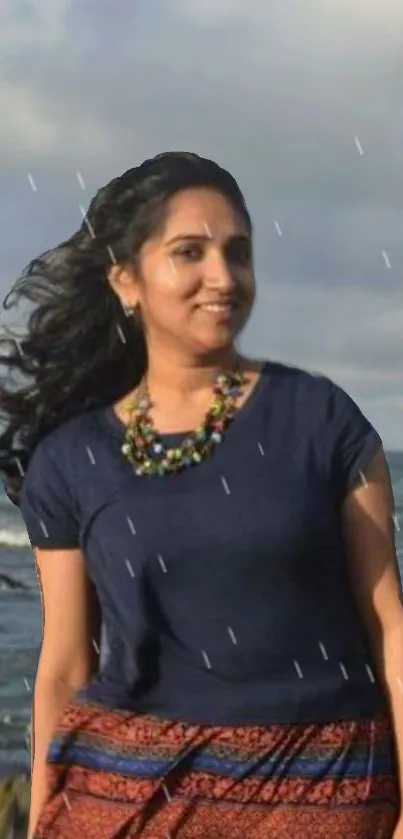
(79, 351)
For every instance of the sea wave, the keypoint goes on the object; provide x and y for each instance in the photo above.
(14, 538)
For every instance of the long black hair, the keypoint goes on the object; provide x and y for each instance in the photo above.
(78, 351)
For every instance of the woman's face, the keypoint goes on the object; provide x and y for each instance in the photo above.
(196, 288)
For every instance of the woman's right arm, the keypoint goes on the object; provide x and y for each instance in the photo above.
(67, 660)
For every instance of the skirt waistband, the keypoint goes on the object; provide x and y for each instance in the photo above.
(99, 738)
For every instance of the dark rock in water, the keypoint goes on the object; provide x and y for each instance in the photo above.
(7, 582)
(14, 807)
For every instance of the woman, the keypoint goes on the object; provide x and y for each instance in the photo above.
(228, 522)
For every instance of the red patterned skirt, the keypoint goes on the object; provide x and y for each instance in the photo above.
(115, 775)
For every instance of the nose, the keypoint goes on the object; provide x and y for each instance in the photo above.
(218, 272)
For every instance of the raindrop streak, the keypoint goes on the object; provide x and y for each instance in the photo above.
(323, 651)
(121, 334)
(225, 485)
(231, 635)
(131, 526)
(162, 564)
(111, 254)
(32, 183)
(172, 265)
(396, 522)
(80, 180)
(90, 455)
(167, 793)
(129, 568)
(363, 479)
(44, 529)
(206, 659)
(298, 669)
(19, 467)
(87, 222)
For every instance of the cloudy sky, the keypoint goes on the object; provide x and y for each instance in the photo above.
(301, 99)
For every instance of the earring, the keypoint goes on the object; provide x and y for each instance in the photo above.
(132, 312)
(128, 309)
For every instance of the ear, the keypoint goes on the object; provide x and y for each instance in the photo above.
(123, 282)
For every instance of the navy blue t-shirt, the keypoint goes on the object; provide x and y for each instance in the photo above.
(224, 589)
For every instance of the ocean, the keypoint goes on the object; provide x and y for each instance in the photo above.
(20, 624)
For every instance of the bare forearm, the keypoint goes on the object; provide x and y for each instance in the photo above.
(50, 697)
(388, 651)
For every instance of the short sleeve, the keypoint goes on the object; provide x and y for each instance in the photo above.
(46, 503)
(352, 442)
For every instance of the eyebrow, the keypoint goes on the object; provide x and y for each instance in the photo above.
(203, 237)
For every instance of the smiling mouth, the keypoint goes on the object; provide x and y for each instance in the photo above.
(219, 308)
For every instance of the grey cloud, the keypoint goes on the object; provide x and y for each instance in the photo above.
(276, 92)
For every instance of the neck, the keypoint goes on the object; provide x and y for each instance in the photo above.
(185, 376)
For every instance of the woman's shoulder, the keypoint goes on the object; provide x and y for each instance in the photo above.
(323, 406)
(312, 397)
(71, 437)
(292, 377)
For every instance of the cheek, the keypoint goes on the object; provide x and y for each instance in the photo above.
(246, 283)
(167, 277)
(169, 280)
(162, 289)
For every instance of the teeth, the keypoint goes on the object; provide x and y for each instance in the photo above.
(217, 307)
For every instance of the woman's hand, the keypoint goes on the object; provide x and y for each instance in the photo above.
(398, 831)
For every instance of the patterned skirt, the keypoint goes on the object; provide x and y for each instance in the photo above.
(115, 775)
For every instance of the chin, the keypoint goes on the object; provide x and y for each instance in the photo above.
(220, 343)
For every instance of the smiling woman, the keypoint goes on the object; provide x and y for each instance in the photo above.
(195, 502)
(195, 287)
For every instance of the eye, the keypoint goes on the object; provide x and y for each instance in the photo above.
(240, 253)
(190, 252)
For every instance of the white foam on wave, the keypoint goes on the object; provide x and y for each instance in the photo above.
(14, 538)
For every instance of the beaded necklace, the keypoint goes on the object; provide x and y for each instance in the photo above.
(144, 448)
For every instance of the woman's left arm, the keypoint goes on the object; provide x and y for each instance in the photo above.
(368, 522)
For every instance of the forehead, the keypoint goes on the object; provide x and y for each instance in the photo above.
(191, 210)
